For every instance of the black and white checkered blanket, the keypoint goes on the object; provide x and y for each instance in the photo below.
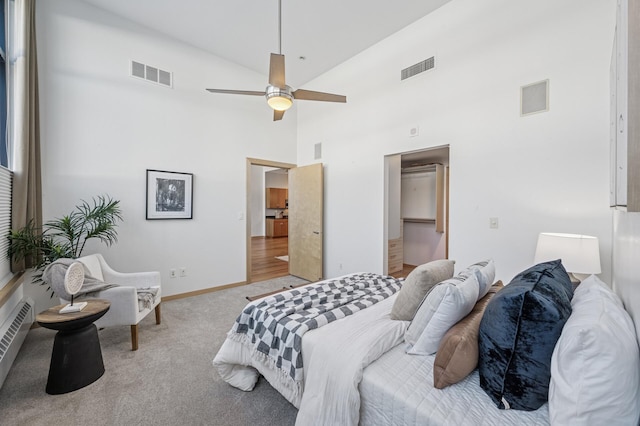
(275, 325)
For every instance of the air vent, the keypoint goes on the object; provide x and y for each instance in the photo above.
(151, 74)
(534, 98)
(317, 154)
(418, 68)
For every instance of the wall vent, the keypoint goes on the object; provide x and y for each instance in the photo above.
(151, 74)
(317, 154)
(418, 68)
(534, 98)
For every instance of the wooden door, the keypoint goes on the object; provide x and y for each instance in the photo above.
(306, 221)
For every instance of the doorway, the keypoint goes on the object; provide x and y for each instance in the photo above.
(266, 249)
(305, 220)
(416, 209)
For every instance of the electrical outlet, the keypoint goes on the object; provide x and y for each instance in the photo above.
(172, 273)
(183, 271)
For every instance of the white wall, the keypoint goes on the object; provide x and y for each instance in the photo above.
(257, 201)
(544, 172)
(101, 129)
(421, 243)
(394, 196)
(276, 179)
(10, 304)
(626, 252)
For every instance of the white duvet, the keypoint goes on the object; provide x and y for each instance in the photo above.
(395, 389)
(329, 394)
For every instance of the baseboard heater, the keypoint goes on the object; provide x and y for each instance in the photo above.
(12, 334)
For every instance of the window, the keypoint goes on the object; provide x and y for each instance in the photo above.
(5, 224)
(4, 161)
(6, 176)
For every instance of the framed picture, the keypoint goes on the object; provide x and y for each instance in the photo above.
(169, 195)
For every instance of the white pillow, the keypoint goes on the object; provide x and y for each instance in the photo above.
(442, 308)
(595, 366)
(594, 287)
(486, 273)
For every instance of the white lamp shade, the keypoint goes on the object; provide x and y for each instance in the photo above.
(580, 254)
(280, 103)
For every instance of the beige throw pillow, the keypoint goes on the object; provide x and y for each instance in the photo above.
(419, 282)
(457, 354)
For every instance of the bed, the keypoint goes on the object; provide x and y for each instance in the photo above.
(356, 370)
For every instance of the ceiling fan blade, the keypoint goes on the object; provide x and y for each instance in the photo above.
(237, 92)
(309, 95)
(277, 115)
(276, 71)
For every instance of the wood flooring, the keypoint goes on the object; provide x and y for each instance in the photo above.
(264, 264)
(406, 269)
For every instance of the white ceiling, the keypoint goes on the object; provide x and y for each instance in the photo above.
(325, 32)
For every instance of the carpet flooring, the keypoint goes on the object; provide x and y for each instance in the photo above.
(169, 380)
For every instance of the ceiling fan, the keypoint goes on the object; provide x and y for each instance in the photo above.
(280, 96)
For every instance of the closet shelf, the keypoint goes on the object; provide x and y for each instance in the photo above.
(418, 220)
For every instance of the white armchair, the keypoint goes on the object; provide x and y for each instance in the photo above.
(124, 301)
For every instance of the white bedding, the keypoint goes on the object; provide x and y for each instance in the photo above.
(326, 399)
(397, 389)
(373, 382)
(331, 382)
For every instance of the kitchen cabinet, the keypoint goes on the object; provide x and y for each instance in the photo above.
(277, 227)
(277, 198)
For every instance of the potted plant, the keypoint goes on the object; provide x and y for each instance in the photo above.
(65, 237)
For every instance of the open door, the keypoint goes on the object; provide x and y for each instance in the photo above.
(305, 221)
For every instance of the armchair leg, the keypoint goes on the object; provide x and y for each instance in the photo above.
(134, 337)
(158, 319)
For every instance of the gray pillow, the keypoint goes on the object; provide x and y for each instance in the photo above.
(419, 282)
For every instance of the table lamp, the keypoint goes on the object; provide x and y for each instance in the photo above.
(580, 254)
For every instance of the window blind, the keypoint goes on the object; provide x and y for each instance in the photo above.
(6, 177)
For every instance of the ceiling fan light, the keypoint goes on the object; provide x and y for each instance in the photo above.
(280, 103)
(279, 99)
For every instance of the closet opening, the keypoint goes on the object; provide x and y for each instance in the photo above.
(416, 209)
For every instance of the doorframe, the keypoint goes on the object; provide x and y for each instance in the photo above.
(256, 162)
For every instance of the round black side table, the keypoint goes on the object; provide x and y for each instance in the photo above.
(76, 360)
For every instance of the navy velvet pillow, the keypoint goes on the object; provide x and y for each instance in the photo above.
(518, 331)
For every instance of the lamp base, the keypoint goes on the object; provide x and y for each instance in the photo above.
(76, 307)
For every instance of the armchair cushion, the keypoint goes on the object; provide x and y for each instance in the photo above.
(123, 297)
(93, 266)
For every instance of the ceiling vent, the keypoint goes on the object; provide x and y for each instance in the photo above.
(418, 68)
(151, 74)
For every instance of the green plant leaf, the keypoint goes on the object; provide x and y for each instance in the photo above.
(65, 237)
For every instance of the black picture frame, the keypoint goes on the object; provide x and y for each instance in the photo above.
(169, 195)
